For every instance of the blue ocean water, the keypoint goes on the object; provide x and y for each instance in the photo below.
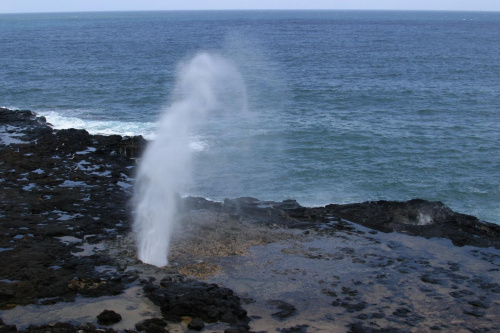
(343, 106)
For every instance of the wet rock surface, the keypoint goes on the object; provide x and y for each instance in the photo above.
(153, 325)
(197, 299)
(65, 234)
(56, 209)
(414, 217)
(108, 317)
(420, 218)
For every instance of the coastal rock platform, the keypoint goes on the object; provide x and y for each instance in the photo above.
(241, 265)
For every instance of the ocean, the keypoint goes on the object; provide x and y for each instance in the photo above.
(335, 106)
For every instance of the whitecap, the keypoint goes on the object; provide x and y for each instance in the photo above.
(103, 127)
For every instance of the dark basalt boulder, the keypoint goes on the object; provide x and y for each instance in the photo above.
(196, 324)
(197, 299)
(153, 325)
(108, 317)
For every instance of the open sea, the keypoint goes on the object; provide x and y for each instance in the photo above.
(339, 106)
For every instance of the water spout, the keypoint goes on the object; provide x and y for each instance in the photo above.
(205, 84)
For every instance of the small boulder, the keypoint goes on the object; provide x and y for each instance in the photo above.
(196, 324)
(153, 325)
(108, 317)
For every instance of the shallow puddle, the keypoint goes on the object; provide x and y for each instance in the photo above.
(383, 280)
(131, 305)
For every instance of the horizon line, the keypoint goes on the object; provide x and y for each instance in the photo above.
(255, 10)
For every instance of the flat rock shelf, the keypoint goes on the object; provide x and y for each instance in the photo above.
(242, 265)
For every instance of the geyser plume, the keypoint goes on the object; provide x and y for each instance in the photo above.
(206, 83)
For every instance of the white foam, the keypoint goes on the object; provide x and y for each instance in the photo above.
(104, 127)
(424, 219)
(108, 127)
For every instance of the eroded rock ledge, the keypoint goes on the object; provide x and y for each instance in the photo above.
(414, 217)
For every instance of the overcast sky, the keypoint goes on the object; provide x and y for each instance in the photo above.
(22, 6)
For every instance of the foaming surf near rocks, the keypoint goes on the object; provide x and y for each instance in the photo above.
(239, 265)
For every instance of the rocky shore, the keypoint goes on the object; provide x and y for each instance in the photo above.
(241, 265)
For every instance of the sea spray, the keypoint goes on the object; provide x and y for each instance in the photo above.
(206, 83)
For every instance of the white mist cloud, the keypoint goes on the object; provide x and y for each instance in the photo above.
(204, 84)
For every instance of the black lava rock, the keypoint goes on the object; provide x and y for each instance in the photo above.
(197, 299)
(153, 325)
(108, 317)
(196, 324)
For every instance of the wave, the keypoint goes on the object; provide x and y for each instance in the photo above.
(115, 127)
(103, 127)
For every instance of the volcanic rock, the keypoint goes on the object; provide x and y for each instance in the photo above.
(197, 299)
(153, 325)
(196, 324)
(64, 198)
(108, 317)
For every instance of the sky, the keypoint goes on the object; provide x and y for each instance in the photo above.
(26, 6)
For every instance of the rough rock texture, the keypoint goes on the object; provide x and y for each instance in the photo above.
(64, 197)
(420, 218)
(153, 325)
(197, 299)
(196, 324)
(108, 317)
(414, 217)
(55, 208)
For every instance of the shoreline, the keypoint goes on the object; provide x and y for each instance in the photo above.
(65, 221)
